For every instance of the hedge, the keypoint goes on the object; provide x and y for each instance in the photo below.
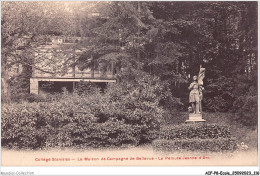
(39, 125)
(204, 137)
(190, 131)
(74, 120)
(215, 145)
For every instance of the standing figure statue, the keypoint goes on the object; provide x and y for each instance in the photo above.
(196, 88)
(194, 95)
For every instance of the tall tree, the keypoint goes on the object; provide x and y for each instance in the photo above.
(24, 27)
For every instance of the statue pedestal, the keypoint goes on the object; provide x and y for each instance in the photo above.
(195, 118)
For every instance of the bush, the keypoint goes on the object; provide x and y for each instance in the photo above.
(83, 88)
(22, 126)
(123, 115)
(215, 145)
(129, 112)
(210, 137)
(61, 124)
(190, 131)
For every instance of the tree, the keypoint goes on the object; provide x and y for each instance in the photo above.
(169, 40)
(24, 27)
(215, 35)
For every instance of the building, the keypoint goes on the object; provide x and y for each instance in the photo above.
(58, 62)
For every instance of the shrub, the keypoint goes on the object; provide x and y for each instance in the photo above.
(137, 104)
(83, 88)
(91, 134)
(21, 126)
(190, 131)
(215, 145)
(210, 137)
(61, 124)
(119, 116)
(126, 113)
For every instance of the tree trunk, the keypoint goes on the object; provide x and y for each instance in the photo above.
(6, 94)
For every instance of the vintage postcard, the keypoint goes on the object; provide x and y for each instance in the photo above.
(128, 83)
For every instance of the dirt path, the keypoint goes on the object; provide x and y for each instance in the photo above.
(138, 156)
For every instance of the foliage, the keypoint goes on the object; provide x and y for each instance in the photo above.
(157, 48)
(219, 96)
(20, 132)
(22, 25)
(242, 133)
(122, 115)
(172, 45)
(40, 125)
(215, 145)
(84, 88)
(246, 102)
(220, 36)
(189, 131)
(247, 110)
(139, 102)
(210, 137)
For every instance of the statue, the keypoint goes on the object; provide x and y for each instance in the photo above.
(194, 98)
(196, 94)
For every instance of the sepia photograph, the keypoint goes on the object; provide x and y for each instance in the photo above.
(129, 83)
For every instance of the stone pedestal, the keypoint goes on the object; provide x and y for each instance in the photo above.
(195, 118)
(34, 85)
